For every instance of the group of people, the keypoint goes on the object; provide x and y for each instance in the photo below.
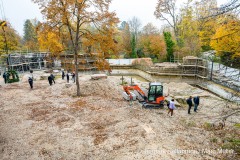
(196, 101)
(68, 76)
(190, 101)
(51, 78)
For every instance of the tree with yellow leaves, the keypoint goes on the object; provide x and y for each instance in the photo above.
(50, 41)
(206, 26)
(75, 15)
(188, 32)
(9, 39)
(226, 40)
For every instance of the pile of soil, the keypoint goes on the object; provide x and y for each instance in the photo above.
(143, 61)
(107, 88)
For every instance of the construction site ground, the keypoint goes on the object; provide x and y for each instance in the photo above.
(50, 122)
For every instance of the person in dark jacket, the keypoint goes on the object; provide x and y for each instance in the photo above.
(73, 77)
(190, 104)
(5, 77)
(30, 81)
(196, 101)
(53, 77)
(50, 80)
(67, 77)
(63, 75)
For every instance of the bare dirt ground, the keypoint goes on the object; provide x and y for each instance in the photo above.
(49, 122)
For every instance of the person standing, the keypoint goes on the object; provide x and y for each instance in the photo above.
(67, 77)
(53, 77)
(30, 81)
(196, 103)
(50, 80)
(190, 104)
(5, 77)
(63, 75)
(171, 107)
(73, 77)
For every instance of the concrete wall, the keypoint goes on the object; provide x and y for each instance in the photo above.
(152, 78)
(120, 61)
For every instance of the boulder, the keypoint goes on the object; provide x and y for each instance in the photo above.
(98, 76)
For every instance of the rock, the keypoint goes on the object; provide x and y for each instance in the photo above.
(98, 76)
(56, 71)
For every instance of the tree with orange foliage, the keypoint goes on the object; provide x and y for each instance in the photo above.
(102, 44)
(75, 15)
(152, 43)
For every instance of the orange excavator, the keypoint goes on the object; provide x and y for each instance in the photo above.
(154, 98)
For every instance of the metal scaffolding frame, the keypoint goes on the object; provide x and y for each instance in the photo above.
(22, 62)
(85, 62)
(193, 66)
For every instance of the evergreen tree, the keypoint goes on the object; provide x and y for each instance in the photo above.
(30, 35)
(28, 31)
(133, 47)
(170, 45)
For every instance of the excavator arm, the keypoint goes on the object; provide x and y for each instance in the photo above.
(134, 87)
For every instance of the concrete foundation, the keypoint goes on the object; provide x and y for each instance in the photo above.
(210, 86)
(154, 77)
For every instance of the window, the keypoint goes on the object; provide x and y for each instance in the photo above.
(152, 90)
(159, 90)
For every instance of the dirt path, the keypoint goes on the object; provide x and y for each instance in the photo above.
(48, 122)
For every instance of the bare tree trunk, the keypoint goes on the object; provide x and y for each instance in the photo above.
(76, 71)
(76, 55)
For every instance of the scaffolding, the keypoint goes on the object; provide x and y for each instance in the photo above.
(195, 67)
(190, 67)
(22, 62)
(85, 62)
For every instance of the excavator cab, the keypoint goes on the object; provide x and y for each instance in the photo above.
(155, 95)
(155, 91)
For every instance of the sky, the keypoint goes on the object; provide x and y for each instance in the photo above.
(17, 11)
